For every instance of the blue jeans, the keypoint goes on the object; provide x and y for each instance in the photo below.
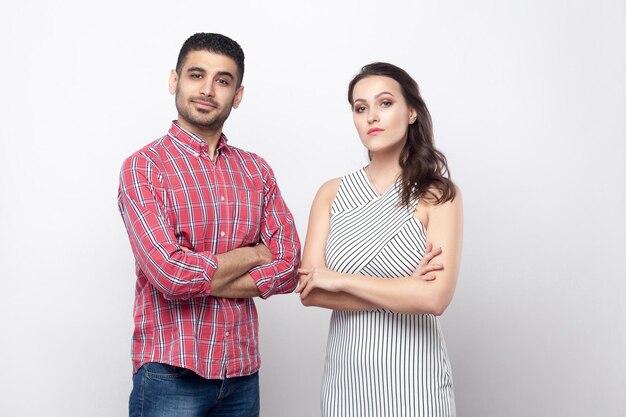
(161, 390)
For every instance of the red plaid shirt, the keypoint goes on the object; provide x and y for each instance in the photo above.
(171, 195)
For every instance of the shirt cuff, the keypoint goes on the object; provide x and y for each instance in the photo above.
(263, 276)
(211, 267)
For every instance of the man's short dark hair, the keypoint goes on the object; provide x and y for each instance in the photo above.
(216, 43)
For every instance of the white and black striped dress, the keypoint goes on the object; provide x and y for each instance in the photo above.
(380, 363)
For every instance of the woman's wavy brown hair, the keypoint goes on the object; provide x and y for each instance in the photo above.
(424, 168)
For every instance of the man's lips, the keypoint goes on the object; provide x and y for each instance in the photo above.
(205, 104)
(374, 131)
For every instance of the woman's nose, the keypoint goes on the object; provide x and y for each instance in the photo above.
(372, 116)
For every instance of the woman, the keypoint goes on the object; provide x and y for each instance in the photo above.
(368, 254)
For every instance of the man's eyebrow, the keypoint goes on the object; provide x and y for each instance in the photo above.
(196, 69)
(226, 74)
(204, 71)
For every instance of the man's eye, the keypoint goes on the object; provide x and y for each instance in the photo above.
(197, 76)
(222, 81)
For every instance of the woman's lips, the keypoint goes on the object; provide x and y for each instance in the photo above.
(374, 131)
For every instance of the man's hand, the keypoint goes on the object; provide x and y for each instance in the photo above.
(265, 256)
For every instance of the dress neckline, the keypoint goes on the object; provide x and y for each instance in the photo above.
(366, 178)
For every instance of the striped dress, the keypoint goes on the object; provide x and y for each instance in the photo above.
(380, 363)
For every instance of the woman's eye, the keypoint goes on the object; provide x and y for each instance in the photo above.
(359, 109)
(385, 103)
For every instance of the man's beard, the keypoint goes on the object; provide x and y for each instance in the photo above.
(212, 120)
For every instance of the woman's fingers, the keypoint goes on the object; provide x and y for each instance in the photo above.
(305, 276)
(301, 283)
(424, 269)
(424, 277)
(430, 268)
(305, 292)
(431, 254)
(305, 288)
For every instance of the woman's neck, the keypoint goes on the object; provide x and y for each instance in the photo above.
(383, 171)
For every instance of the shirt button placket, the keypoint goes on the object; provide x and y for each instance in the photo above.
(223, 208)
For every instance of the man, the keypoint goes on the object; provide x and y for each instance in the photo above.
(209, 231)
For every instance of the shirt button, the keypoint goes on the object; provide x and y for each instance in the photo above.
(222, 233)
(222, 198)
(227, 333)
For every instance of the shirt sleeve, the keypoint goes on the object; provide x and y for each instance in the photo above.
(175, 273)
(278, 233)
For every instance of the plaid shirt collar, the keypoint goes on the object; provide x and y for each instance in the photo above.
(191, 142)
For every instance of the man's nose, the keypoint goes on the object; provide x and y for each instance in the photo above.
(208, 89)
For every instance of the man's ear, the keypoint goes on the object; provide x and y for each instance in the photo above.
(173, 81)
(238, 97)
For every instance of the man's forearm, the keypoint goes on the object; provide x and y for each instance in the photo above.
(232, 265)
(231, 278)
(240, 287)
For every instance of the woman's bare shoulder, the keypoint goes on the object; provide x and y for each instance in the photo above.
(328, 190)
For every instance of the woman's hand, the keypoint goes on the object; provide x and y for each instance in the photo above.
(424, 269)
(318, 277)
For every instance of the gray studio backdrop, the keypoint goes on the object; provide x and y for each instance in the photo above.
(528, 101)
